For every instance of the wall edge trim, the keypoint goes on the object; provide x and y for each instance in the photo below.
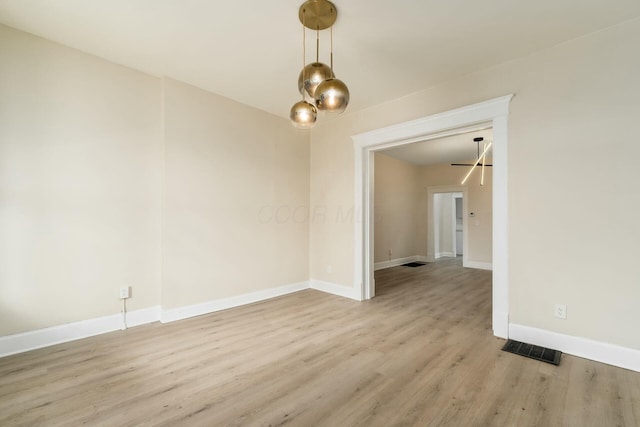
(611, 354)
(394, 262)
(185, 312)
(479, 265)
(39, 338)
(335, 289)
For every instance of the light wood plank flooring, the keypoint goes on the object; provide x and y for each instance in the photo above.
(420, 354)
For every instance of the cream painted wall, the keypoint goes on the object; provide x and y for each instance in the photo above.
(395, 202)
(111, 177)
(81, 161)
(80, 177)
(480, 228)
(572, 180)
(401, 208)
(236, 201)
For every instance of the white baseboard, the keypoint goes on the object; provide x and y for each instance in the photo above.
(335, 289)
(445, 254)
(18, 343)
(393, 262)
(479, 265)
(500, 323)
(230, 302)
(142, 317)
(610, 354)
(422, 258)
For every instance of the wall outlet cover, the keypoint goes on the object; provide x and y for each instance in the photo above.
(560, 311)
(124, 292)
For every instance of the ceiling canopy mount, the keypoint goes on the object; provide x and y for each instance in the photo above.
(317, 14)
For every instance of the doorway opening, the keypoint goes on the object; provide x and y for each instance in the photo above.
(459, 230)
(447, 222)
(492, 113)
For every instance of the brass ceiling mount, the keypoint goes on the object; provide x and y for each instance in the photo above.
(317, 14)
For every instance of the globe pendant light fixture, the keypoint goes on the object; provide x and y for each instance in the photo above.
(303, 115)
(312, 75)
(319, 87)
(332, 95)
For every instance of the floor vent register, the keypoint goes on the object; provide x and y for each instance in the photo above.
(533, 351)
(414, 264)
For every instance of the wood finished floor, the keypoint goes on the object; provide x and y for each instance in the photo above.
(420, 354)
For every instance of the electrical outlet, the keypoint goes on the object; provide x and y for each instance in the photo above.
(560, 311)
(124, 292)
(390, 252)
(329, 269)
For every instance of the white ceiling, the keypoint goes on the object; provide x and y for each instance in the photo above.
(459, 148)
(250, 50)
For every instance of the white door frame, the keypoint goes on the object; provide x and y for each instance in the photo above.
(454, 225)
(431, 223)
(457, 196)
(492, 113)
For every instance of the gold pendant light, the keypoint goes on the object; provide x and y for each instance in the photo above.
(312, 75)
(303, 114)
(317, 80)
(332, 95)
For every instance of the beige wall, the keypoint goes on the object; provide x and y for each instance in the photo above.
(237, 193)
(479, 202)
(395, 199)
(81, 162)
(108, 178)
(571, 239)
(401, 203)
(80, 176)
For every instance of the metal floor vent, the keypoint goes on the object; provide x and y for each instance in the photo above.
(533, 351)
(414, 264)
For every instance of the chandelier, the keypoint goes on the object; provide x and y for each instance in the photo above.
(481, 158)
(317, 83)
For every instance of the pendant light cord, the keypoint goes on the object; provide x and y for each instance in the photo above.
(304, 50)
(331, 47)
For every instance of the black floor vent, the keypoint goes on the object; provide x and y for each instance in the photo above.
(414, 264)
(533, 351)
